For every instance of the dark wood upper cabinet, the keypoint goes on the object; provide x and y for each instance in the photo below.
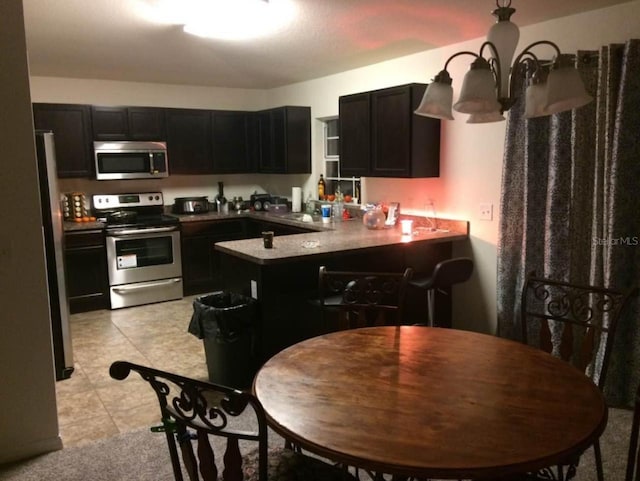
(128, 123)
(198, 141)
(71, 126)
(355, 134)
(146, 123)
(231, 139)
(380, 136)
(285, 140)
(189, 141)
(296, 136)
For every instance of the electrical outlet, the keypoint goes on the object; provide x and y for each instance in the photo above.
(486, 211)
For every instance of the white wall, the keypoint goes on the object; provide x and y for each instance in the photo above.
(471, 155)
(28, 418)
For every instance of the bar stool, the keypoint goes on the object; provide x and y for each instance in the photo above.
(445, 274)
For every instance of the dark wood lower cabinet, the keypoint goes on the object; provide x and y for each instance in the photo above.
(201, 270)
(200, 263)
(86, 271)
(285, 289)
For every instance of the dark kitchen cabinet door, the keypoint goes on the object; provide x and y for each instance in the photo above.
(71, 126)
(268, 162)
(403, 144)
(231, 142)
(109, 123)
(391, 133)
(128, 123)
(355, 135)
(146, 123)
(296, 136)
(200, 262)
(380, 136)
(189, 141)
(86, 271)
(285, 140)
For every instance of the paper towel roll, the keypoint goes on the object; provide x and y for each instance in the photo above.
(296, 199)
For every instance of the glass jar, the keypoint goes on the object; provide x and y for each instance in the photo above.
(374, 217)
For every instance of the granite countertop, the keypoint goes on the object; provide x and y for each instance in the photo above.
(288, 218)
(340, 237)
(328, 238)
(70, 226)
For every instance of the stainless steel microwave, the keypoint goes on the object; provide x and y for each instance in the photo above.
(130, 160)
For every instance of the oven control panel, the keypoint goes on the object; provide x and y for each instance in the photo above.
(111, 201)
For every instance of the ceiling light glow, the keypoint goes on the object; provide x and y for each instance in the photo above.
(221, 19)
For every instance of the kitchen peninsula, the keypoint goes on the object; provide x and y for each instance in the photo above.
(285, 277)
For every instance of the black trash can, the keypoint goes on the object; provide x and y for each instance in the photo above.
(226, 321)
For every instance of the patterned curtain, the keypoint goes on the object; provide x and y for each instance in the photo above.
(570, 202)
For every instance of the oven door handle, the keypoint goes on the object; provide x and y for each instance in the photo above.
(151, 230)
(145, 285)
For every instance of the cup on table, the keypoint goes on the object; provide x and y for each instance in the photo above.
(326, 212)
(267, 238)
(407, 226)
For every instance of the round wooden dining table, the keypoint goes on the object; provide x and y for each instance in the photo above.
(430, 402)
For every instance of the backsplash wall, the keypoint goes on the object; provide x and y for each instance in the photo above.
(235, 185)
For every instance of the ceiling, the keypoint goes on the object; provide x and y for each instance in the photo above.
(109, 39)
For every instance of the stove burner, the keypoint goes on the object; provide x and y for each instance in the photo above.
(122, 217)
(135, 210)
(141, 221)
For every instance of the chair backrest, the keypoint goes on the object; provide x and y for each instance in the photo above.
(574, 322)
(633, 459)
(451, 271)
(363, 298)
(193, 410)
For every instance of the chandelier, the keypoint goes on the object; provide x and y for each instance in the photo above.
(488, 87)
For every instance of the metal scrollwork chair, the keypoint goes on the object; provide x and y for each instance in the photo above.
(197, 412)
(633, 460)
(576, 323)
(362, 299)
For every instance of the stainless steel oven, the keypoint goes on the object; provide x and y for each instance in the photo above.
(143, 252)
(144, 265)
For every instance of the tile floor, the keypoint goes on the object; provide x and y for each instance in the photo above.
(92, 405)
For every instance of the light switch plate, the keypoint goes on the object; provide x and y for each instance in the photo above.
(486, 211)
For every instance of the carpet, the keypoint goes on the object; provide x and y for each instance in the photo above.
(142, 455)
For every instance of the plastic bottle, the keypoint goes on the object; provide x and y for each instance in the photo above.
(310, 206)
(321, 186)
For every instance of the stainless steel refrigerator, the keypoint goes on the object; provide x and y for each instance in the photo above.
(53, 233)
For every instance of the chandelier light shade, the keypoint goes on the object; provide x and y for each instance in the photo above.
(565, 90)
(437, 98)
(486, 118)
(488, 87)
(478, 93)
